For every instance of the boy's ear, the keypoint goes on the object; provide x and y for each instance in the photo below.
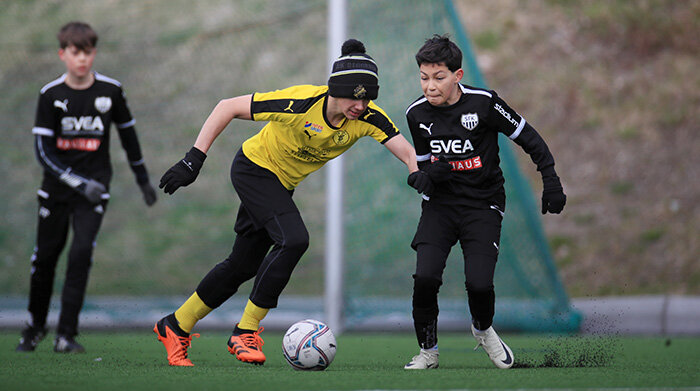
(459, 73)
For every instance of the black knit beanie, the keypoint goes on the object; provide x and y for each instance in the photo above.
(354, 73)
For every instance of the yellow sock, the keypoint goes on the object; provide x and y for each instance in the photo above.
(191, 312)
(252, 315)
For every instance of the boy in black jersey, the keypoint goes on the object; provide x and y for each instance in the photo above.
(71, 129)
(455, 133)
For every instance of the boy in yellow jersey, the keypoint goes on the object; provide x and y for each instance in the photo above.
(308, 126)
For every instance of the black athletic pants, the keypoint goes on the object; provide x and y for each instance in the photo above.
(441, 227)
(56, 216)
(267, 218)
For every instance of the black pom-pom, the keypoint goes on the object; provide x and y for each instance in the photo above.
(352, 46)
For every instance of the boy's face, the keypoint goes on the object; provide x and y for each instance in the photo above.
(352, 108)
(78, 61)
(439, 84)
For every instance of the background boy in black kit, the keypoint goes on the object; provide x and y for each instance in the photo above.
(71, 129)
(455, 133)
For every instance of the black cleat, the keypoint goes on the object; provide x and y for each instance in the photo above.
(31, 336)
(66, 344)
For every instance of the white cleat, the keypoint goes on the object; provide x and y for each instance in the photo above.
(426, 359)
(499, 353)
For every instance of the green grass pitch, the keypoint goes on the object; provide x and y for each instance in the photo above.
(136, 361)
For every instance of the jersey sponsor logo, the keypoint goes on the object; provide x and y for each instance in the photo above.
(468, 164)
(310, 154)
(289, 108)
(439, 147)
(470, 120)
(505, 114)
(78, 144)
(315, 127)
(63, 105)
(427, 128)
(103, 104)
(85, 123)
(341, 137)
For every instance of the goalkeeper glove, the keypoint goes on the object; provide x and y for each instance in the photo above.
(92, 190)
(553, 197)
(149, 193)
(421, 181)
(439, 170)
(183, 172)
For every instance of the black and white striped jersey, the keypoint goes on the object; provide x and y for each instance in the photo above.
(466, 133)
(72, 129)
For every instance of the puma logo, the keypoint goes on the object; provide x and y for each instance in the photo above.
(289, 108)
(63, 105)
(369, 112)
(306, 132)
(427, 128)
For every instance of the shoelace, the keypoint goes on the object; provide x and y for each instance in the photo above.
(482, 344)
(185, 342)
(253, 340)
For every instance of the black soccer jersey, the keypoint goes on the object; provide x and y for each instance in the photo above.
(72, 129)
(466, 133)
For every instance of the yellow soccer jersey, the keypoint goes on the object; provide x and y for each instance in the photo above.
(299, 139)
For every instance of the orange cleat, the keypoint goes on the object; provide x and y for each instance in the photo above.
(247, 347)
(175, 341)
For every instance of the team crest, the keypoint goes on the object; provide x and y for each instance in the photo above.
(103, 104)
(360, 92)
(341, 137)
(469, 121)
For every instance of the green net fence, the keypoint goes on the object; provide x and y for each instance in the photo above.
(177, 59)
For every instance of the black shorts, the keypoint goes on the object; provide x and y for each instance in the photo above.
(477, 230)
(261, 193)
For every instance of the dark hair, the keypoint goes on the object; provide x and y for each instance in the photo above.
(439, 49)
(77, 33)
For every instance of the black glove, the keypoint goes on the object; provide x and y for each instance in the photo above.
(421, 181)
(183, 172)
(149, 193)
(439, 170)
(553, 197)
(92, 190)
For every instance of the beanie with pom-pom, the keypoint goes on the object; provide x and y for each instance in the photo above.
(354, 74)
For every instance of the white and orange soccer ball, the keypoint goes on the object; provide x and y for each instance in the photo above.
(309, 345)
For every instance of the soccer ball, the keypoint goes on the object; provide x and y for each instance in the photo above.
(309, 345)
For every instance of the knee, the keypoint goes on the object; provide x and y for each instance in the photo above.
(426, 285)
(82, 251)
(478, 286)
(296, 241)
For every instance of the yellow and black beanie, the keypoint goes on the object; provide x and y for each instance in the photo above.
(354, 74)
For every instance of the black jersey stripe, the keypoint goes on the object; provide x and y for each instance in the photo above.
(379, 120)
(292, 106)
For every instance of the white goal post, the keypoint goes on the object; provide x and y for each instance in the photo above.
(333, 255)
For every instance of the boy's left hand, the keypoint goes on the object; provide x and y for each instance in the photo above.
(553, 197)
(439, 170)
(149, 193)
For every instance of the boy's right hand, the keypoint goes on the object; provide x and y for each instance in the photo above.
(421, 181)
(183, 172)
(93, 190)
